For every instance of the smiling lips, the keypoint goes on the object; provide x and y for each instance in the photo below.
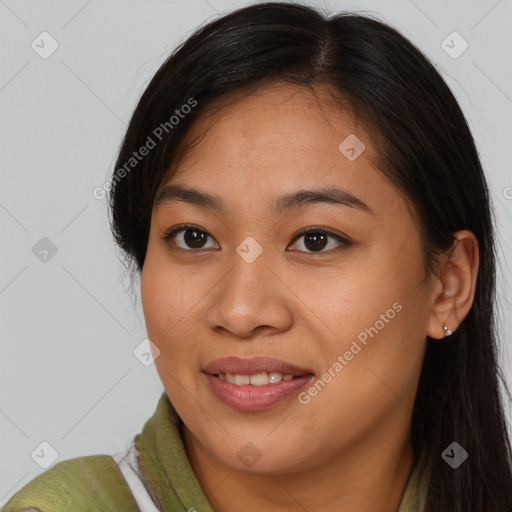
(254, 384)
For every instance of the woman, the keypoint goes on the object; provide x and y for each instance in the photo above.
(304, 202)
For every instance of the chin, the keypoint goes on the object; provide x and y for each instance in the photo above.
(253, 460)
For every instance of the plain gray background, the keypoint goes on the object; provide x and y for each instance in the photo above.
(69, 325)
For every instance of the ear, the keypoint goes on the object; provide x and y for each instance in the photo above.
(452, 294)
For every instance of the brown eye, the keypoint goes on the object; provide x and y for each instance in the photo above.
(188, 237)
(317, 239)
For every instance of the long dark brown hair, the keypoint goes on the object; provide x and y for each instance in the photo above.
(425, 148)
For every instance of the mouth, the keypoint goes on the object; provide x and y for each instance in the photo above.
(255, 384)
(254, 366)
(256, 379)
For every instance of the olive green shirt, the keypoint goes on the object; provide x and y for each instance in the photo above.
(95, 483)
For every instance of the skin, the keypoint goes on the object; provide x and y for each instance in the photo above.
(349, 447)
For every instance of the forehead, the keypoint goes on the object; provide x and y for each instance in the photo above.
(278, 117)
(276, 140)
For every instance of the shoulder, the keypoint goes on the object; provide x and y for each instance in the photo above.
(81, 484)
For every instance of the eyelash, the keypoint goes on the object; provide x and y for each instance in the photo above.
(345, 242)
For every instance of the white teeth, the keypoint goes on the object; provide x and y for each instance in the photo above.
(258, 379)
(242, 379)
(275, 377)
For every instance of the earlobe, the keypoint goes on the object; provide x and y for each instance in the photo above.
(446, 331)
(453, 296)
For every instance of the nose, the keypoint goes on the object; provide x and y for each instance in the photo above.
(250, 299)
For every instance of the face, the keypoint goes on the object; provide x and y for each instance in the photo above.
(343, 308)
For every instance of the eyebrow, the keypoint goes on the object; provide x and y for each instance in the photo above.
(333, 195)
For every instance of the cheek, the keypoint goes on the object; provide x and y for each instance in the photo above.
(153, 301)
(170, 304)
(375, 315)
(161, 300)
(163, 292)
(355, 297)
(167, 312)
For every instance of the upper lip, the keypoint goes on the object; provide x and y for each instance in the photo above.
(251, 366)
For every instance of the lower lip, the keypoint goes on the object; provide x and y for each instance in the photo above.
(248, 397)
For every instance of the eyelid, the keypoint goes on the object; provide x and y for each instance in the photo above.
(322, 229)
(171, 231)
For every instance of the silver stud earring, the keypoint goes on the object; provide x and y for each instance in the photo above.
(446, 331)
